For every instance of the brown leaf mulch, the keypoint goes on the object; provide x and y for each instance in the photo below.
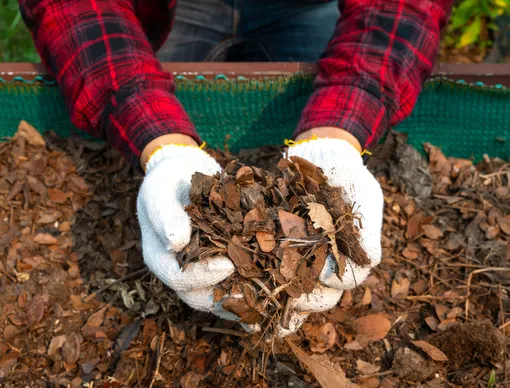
(78, 308)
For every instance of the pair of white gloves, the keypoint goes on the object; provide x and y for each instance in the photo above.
(166, 227)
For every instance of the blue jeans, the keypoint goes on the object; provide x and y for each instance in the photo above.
(250, 31)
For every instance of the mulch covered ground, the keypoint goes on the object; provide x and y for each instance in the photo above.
(78, 307)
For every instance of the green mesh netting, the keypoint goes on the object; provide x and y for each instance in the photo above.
(465, 120)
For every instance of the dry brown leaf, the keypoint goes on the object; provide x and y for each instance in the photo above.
(414, 225)
(191, 380)
(367, 297)
(242, 260)
(400, 288)
(35, 309)
(441, 311)
(290, 262)
(218, 294)
(346, 300)
(433, 352)
(22, 299)
(97, 319)
(30, 134)
(432, 231)
(438, 162)
(432, 322)
(265, 240)
(48, 217)
(58, 196)
(55, 345)
(245, 175)
(373, 327)
(45, 239)
(7, 362)
(367, 368)
(10, 332)
(325, 338)
(321, 219)
(231, 195)
(292, 225)
(71, 348)
(504, 224)
(411, 251)
(447, 323)
(77, 183)
(239, 307)
(36, 185)
(119, 259)
(77, 303)
(309, 170)
(323, 371)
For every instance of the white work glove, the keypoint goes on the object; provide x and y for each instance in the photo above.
(343, 166)
(166, 227)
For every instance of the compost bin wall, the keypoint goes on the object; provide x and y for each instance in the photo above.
(465, 109)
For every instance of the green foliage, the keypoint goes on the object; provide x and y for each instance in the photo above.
(492, 380)
(472, 20)
(16, 44)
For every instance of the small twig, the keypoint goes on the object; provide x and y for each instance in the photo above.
(225, 331)
(9, 276)
(122, 279)
(267, 291)
(502, 318)
(504, 325)
(158, 362)
(429, 297)
(378, 374)
(285, 319)
(470, 277)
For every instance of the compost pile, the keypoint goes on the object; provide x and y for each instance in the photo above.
(277, 227)
(78, 307)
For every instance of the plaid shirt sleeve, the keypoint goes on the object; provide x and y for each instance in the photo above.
(101, 53)
(375, 65)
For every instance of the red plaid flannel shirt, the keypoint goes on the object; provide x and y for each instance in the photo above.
(102, 55)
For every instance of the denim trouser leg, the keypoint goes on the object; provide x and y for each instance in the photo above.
(250, 30)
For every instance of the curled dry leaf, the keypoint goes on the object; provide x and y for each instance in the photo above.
(433, 352)
(45, 239)
(245, 175)
(321, 219)
(239, 307)
(367, 368)
(30, 134)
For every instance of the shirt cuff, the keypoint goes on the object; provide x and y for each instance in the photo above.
(347, 107)
(144, 114)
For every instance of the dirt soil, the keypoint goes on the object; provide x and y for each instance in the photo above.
(79, 309)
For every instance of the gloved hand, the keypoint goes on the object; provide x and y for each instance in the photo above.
(343, 166)
(166, 228)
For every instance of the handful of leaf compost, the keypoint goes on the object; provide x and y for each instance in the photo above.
(277, 227)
